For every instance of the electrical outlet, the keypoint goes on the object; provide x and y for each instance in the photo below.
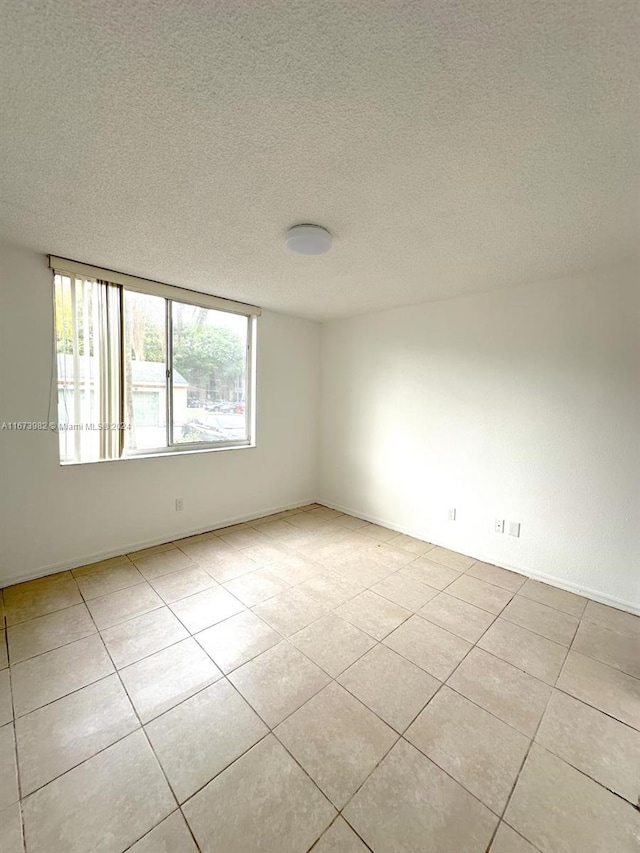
(499, 525)
(452, 515)
(179, 504)
(514, 528)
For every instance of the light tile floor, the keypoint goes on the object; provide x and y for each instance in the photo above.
(313, 681)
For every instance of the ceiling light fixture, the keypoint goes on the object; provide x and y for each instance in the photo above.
(308, 239)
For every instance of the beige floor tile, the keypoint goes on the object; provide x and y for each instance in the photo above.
(337, 740)
(237, 640)
(41, 680)
(94, 582)
(332, 643)
(373, 614)
(607, 689)
(228, 566)
(340, 838)
(331, 552)
(275, 529)
(408, 799)
(197, 739)
(621, 651)
(392, 687)
(305, 521)
(603, 748)
(500, 688)
(385, 554)
(276, 793)
(376, 531)
(105, 804)
(9, 776)
(497, 576)
(610, 617)
(351, 522)
(405, 591)
(559, 599)
(4, 656)
(55, 738)
(299, 539)
(327, 547)
(480, 593)
(267, 554)
(6, 705)
(431, 574)
(507, 840)
(205, 551)
(180, 584)
(359, 567)
(170, 836)
(543, 620)
(206, 608)
(255, 587)
(325, 513)
(414, 546)
(168, 677)
(162, 563)
(143, 553)
(140, 637)
(11, 829)
(457, 616)
(123, 605)
(242, 538)
(28, 639)
(339, 545)
(290, 611)
(331, 590)
(554, 801)
(430, 647)
(534, 654)
(477, 749)
(39, 597)
(293, 568)
(459, 562)
(278, 682)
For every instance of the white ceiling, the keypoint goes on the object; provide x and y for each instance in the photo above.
(451, 146)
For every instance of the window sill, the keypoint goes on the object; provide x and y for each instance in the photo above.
(156, 454)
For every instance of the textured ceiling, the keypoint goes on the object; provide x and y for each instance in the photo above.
(451, 146)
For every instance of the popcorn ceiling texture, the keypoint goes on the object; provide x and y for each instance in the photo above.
(451, 147)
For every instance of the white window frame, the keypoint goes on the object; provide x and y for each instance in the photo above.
(171, 294)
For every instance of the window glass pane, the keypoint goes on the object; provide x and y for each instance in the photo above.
(209, 375)
(145, 371)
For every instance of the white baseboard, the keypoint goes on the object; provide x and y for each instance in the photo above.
(128, 547)
(561, 583)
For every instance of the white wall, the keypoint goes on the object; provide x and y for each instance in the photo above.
(53, 517)
(520, 404)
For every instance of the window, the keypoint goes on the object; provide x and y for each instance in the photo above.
(145, 368)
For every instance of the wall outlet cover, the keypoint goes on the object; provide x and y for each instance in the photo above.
(514, 528)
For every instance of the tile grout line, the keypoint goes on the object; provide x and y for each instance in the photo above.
(150, 745)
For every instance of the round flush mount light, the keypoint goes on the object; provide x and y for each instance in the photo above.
(308, 239)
